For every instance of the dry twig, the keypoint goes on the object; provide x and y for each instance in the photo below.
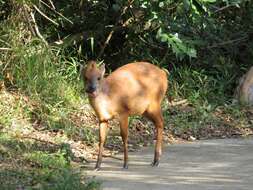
(53, 9)
(45, 16)
(223, 8)
(41, 140)
(184, 101)
(5, 49)
(235, 41)
(37, 29)
(108, 155)
(115, 26)
(51, 4)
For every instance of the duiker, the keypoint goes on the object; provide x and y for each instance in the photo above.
(133, 89)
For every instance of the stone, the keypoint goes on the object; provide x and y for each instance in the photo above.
(244, 91)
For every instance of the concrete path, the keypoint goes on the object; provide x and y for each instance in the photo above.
(225, 164)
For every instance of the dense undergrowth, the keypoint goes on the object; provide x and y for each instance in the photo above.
(47, 129)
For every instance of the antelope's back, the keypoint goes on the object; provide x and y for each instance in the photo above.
(137, 85)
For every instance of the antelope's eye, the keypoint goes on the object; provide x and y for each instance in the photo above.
(99, 78)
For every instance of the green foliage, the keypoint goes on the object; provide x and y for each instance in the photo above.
(201, 85)
(68, 180)
(41, 88)
(34, 165)
(205, 44)
(56, 160)
(178, 47)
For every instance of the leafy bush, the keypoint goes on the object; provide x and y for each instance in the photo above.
(206, 35)
(205, 44)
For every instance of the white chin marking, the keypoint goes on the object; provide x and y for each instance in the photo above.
(93, 94)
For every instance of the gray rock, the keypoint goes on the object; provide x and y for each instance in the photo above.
(244, 91)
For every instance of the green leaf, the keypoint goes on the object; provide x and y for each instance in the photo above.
(178, 46)
(199, 6)
(164, 37)
(209, 1)
(161, 4)
(116, 7)
(187, 5)
(192, 52)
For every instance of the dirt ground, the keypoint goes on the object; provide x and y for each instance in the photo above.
(224, 164)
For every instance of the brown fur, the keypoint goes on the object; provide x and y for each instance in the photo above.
(133, 89)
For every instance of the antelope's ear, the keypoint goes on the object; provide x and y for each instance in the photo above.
(102, 70)
(81, 70)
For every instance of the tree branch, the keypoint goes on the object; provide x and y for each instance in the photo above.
(53, 9)
(51, 4)
(37, 29)
(45, 16)
(228, 42)
(114, 28)
(223, 8)
(107, 155)
(5, 49)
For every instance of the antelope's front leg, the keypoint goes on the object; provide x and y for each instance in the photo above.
(102, 137)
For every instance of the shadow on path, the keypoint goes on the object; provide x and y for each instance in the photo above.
(225, 164)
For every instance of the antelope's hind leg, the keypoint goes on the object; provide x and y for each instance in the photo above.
(155, 115)
(124, 135)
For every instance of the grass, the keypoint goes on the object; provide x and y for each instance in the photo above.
(45, 123)
(37, 165)
(210, 111)
(202, 122)
(202, 86)
(39, 106)
(47, 99)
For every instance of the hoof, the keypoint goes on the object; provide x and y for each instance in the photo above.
(125, 166)
(97, 168)
(155, 163)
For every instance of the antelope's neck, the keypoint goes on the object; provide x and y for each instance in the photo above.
(101, 105)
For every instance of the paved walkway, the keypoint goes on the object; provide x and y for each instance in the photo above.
(225, 164)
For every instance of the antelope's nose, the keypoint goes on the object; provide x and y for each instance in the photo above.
(91, 89)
